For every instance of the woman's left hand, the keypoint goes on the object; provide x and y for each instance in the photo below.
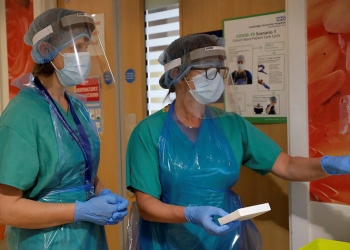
(122, 207)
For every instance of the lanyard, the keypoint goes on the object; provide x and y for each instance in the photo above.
(83, 142)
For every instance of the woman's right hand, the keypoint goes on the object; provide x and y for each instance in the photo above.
(204, 217)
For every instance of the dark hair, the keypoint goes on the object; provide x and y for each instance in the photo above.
(171, 90)
(45, 69)
(273, 99)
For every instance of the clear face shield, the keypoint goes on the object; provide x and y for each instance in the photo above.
(231, 98)
(75, 38)
(209, 82)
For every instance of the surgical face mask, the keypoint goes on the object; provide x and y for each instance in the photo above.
(207, 91)
(240, 66)
(76, 68)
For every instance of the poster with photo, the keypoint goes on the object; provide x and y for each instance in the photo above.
(257, 59)
(90, 88)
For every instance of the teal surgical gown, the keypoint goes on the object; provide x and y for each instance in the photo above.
(178, 171)
(39, 156)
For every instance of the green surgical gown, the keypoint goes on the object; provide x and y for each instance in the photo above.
(38, 156)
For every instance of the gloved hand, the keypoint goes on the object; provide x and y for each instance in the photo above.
(204, 217)
(97, 210)
(122, 207)
(117, 217)
(105, 191)
(336, 164)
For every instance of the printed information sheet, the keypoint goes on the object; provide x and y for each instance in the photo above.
(256, 50)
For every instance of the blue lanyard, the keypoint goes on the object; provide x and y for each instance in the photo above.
(83, 142)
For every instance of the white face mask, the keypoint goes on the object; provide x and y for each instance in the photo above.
(76, 68)
(207, 91)
(240, 66)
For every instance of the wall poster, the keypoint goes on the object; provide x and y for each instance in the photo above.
(257, 59)
(90, 89)
(328, 46)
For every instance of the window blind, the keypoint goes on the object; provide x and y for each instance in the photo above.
(161, 28)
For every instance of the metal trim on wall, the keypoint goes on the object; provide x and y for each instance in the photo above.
(4, 88)
(119, 96)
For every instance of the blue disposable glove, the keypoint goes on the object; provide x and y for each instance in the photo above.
(122, 207)
(105, 191)
(204, 217)
(117, 217)
(336, 164)
(97, 210)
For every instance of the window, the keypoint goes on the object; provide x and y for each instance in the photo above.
(162, 27)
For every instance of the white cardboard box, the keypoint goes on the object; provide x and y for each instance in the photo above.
(245, 213)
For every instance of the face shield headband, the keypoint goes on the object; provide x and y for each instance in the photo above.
(197, 54)
(66, 21)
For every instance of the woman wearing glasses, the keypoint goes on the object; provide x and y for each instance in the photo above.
(183, 160)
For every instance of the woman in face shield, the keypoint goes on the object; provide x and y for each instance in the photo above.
(50, 194)
(241, 76)
(183, 160)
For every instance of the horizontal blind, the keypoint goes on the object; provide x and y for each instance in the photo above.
(155, 4)
(161, 28)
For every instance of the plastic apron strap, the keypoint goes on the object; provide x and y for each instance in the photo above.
(83, 143)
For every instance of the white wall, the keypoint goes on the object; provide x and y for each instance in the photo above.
(40, 6)
(308, 220)
(297, 126)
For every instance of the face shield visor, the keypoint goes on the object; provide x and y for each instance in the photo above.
(231, 98)
(75, 38)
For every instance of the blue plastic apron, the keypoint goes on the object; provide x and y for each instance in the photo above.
(197, 174)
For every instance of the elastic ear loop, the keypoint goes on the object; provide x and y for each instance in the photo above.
(188, 83)
(54, 64)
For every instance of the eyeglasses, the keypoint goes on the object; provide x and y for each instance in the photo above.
(211, 72)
